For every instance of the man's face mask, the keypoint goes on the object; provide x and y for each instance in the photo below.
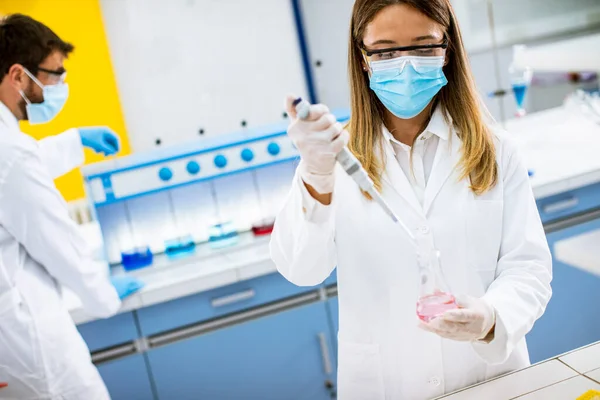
(54, 98)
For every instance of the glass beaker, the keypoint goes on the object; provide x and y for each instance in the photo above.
(263, 227)
(434, 295)
(179, 246)
(222, 235)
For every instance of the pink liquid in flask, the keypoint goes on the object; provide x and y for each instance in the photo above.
(432, 306)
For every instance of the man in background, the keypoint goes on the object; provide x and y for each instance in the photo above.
(42, 355)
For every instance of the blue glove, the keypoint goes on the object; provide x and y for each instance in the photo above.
(126, 285)
(101, 139)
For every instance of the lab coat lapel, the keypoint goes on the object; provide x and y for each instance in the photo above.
(445, 162)
(397, 181)
(8, 120)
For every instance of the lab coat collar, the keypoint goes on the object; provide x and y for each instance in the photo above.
(401, 191)
(446, 158)
(437, 126)
(8, 118)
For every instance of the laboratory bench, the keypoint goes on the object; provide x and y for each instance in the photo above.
(222, 323)
(568, 376)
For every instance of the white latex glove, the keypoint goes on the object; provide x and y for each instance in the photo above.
(319, 139)
(473, 321)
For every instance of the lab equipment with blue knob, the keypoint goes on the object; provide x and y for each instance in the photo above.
(247, 155)
(174, 200)
(220, 161)
(165, 174)
(192, 167)
(273, 148)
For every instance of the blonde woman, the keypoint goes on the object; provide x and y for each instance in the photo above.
(418, 129)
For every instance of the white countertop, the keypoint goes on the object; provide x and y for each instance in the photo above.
(561, 148)
(564, 377)
(206, 269)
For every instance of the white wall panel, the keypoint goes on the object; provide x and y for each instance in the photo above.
(186, 65)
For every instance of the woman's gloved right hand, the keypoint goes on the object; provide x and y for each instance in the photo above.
(318, 138)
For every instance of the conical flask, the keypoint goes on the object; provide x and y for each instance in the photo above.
(434, 294)
(520, 79)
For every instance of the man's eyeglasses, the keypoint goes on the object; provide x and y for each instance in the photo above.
(56, 76)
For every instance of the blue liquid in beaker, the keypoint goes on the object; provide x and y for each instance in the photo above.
(136, 258)
(520, 90)
(180, 246)
(222, 235)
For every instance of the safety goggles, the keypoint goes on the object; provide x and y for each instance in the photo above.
(391, 56)
(54, 77)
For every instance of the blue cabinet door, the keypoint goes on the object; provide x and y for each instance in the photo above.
(572, 318)
(105, 333)
(127, 378)
(281, 356)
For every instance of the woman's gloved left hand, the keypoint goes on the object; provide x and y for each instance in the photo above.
(101, 139)
(126, 285)
(474, 320)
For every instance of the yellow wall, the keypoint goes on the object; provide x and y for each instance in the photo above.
(93, 98)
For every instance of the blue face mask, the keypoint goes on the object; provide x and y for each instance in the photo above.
(406, 85)
(55, 97)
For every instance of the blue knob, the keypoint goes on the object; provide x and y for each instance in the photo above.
(165, 174)
(273, 149)
(247, 155)
(193, 167)
(220, 161)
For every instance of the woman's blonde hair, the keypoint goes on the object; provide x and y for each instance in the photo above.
(458, 99)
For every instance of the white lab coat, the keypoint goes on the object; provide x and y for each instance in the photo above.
(491, 245)
(42, 355)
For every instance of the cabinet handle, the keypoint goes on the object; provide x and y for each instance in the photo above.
(325, 353)
(233, 298)
(561, 205)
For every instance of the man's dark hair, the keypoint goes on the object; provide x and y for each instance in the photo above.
(28, 42)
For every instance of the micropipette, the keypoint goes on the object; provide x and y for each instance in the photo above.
(352, 166)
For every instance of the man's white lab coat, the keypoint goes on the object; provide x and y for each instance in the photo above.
(42, 355)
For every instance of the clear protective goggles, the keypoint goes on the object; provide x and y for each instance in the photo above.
(54, 77)
(397, 57)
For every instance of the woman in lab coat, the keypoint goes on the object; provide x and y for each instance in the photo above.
(454, 180)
